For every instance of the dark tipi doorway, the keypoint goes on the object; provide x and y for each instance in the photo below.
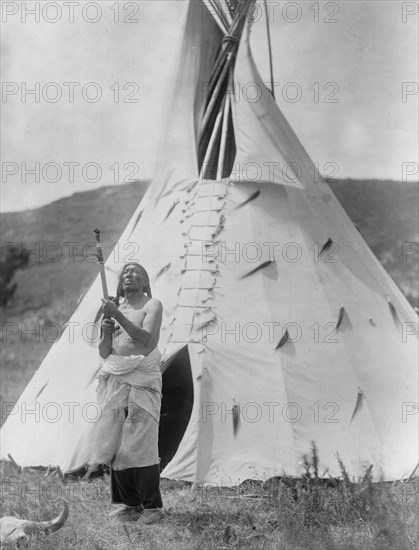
(176, 407)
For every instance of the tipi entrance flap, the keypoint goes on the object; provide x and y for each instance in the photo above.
(184, 464)
(177, 402)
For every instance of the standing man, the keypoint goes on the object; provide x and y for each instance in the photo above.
(129, 394)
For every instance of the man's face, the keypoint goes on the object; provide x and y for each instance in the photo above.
(133, 278)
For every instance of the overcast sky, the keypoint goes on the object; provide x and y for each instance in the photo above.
(348, 61)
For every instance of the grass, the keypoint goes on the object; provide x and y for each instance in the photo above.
(282, 513)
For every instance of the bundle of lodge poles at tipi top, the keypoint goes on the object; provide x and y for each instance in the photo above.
(216, 142)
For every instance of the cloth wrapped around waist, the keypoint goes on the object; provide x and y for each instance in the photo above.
(141, 371)
(129, 396)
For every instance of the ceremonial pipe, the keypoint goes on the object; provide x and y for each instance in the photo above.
(101, 264)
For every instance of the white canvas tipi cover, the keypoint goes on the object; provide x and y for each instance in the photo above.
(294, 331)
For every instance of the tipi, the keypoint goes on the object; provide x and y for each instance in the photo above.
(280, 326)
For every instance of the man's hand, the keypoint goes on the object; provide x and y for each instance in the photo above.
(105, 344)
(108, 326)
(109, 309)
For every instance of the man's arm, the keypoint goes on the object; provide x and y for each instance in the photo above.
(151, 323)
(105, 344)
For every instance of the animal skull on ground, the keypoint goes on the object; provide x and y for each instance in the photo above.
(12, 530)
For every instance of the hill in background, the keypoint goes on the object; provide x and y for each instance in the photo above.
(60, 236)
(385, 212)
(387, 215)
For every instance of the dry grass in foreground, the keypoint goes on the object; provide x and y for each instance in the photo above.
(279, 514)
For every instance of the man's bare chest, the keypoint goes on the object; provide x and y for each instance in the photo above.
(136, 316)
